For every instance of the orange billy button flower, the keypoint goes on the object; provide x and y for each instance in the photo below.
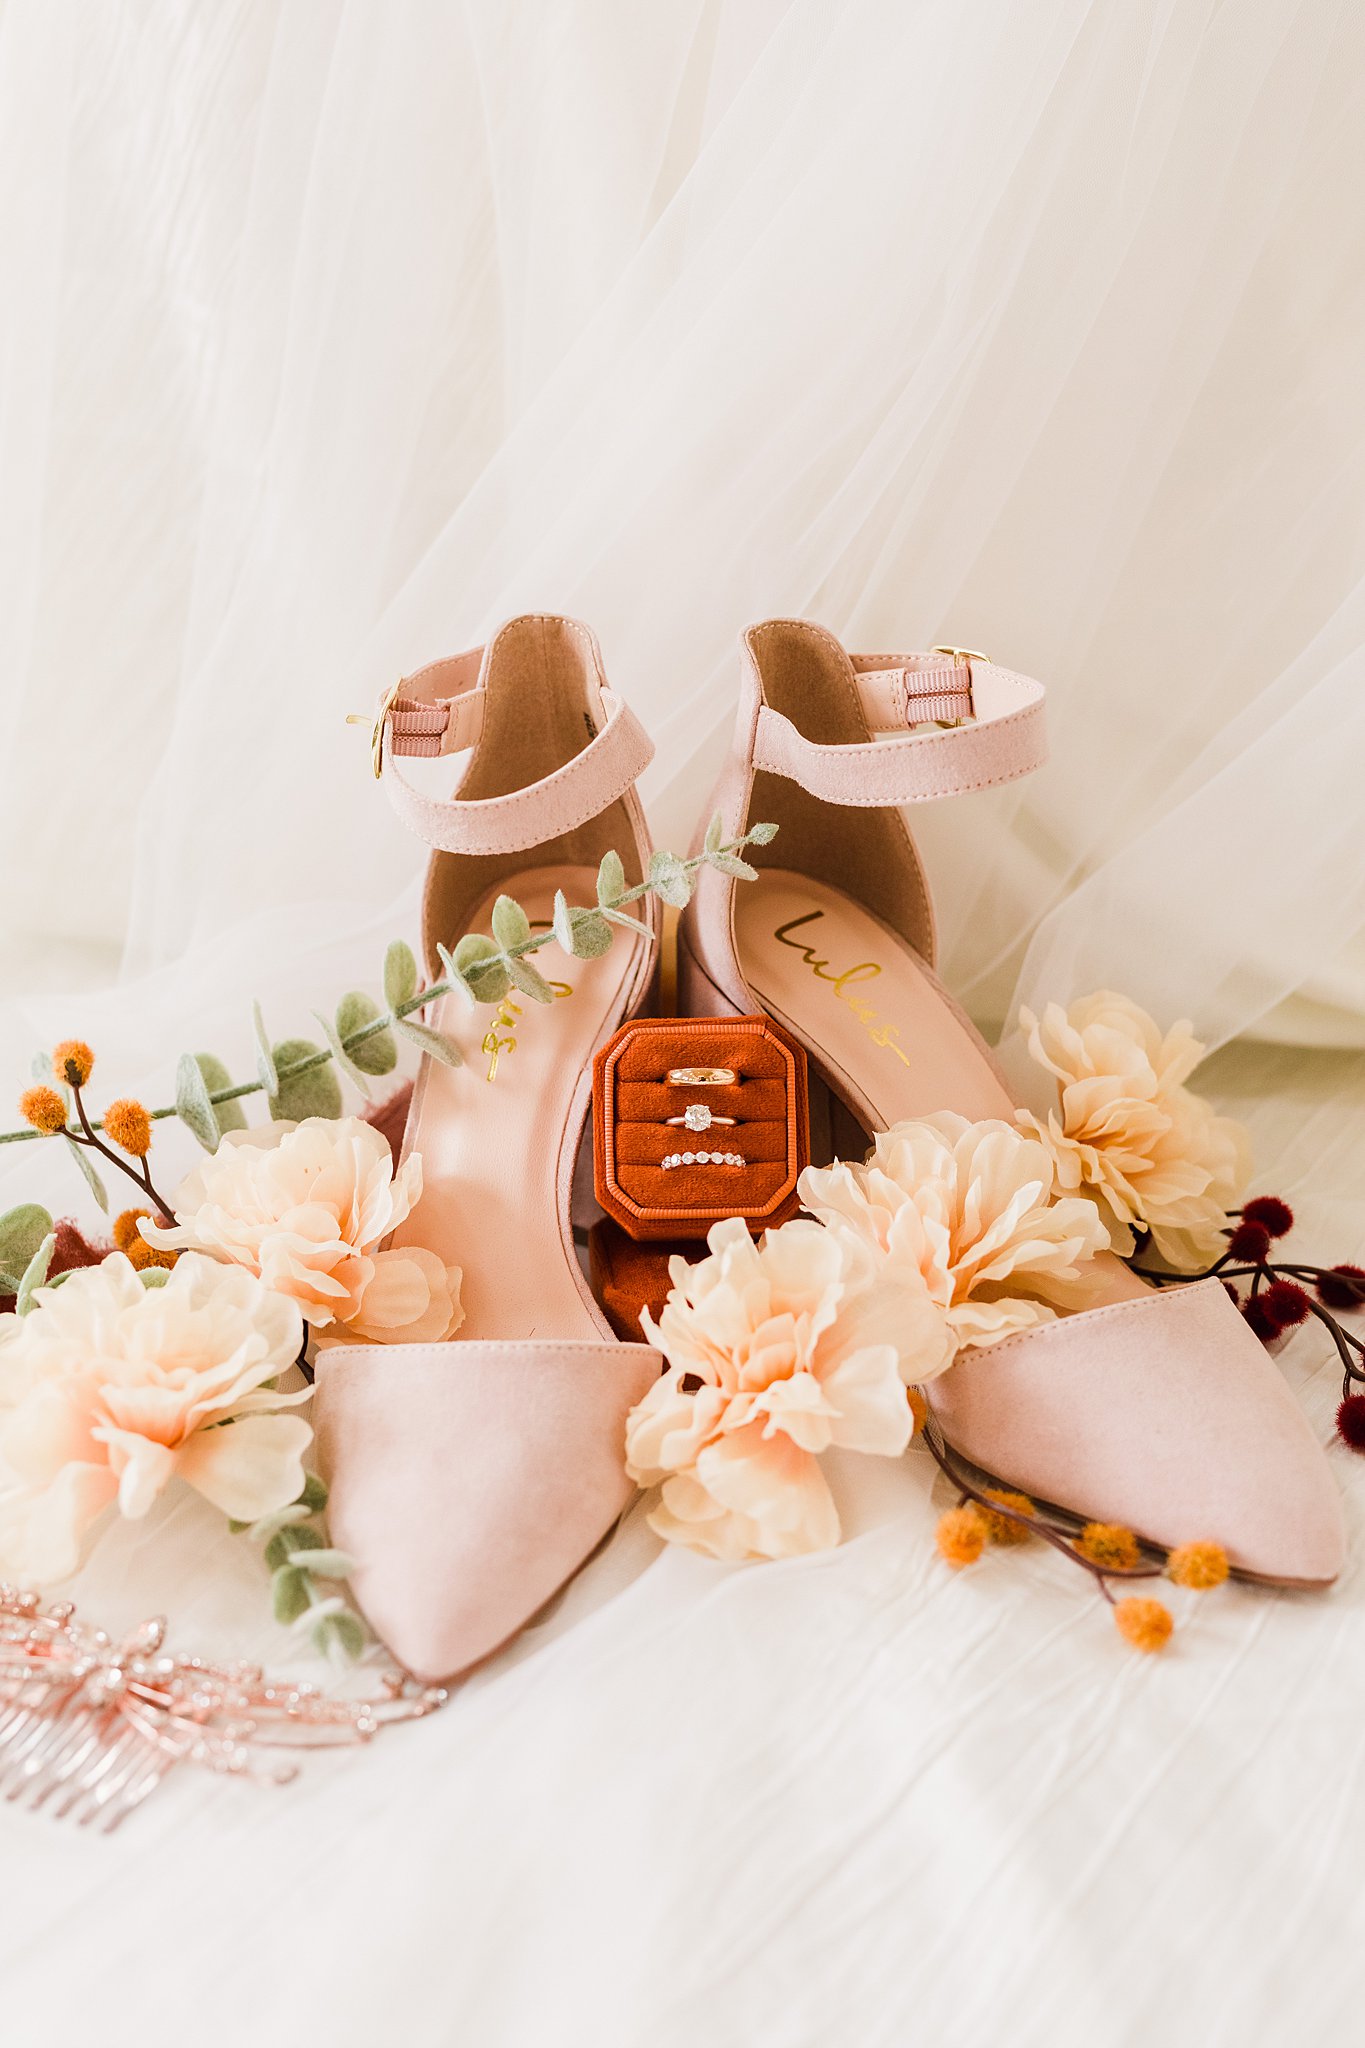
(1146, 1624)
(44, 1109)
(124, 1229)
(1200, 1566)
(1004, 1528)
(919, 1410)
(961, 1536)
(127, 1123)
(140, 1255)
(1110, 1545)
(73, 1062)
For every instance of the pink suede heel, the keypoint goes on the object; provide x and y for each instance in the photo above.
(469, 1479)
(1158, 1408)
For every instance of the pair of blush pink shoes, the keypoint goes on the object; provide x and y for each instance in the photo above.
(471, 1478)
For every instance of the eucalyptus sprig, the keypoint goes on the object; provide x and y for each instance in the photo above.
(299, 1076)
(299, 1555)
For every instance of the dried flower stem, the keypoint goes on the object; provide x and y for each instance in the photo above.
(86, 1136)
(1350, 1348)
(1051, 1532)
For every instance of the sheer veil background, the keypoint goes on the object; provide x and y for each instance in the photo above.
(340, 334)
(334, 334)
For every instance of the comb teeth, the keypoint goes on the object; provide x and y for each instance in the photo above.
(89, 1727)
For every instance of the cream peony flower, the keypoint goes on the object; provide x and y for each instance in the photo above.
(776, 1352)
(1128, 1133)
(304, 1206)
(109, 1388)
(968, 1208)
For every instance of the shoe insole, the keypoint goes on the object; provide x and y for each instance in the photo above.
(870, 1012)
(491, 1132)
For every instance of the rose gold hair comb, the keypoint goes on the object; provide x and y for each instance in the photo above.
(90, 1726)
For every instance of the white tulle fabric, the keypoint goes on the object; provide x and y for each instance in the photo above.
(338, 334)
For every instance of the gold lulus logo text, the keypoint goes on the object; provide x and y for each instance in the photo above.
(844, 983)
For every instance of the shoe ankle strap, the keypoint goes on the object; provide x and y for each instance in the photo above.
(992, 731)
(440, 710)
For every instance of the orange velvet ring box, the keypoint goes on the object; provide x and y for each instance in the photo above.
(669, 1095)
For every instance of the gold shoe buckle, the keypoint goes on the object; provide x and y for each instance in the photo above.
(378, 723)
(963, 657)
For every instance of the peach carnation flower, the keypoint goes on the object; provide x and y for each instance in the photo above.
(109, 1388)
(968, 1208)
(1129, 1134)
(776, 1351)
(304, 1206)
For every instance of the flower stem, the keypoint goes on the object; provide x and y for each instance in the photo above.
(1051, 1532)
(106, 1152)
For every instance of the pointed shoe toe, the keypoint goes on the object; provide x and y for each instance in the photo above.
(1161, 1412)
(470, 1480)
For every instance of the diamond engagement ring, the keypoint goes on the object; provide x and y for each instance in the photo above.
(702, 1159)
(697, 1117)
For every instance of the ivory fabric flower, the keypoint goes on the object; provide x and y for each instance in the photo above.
(1129, 1134)
(109, 1388)
(968, 1208)
(305, 1206)
(776, 1352)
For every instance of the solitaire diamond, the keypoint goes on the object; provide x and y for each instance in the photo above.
(697, 1117)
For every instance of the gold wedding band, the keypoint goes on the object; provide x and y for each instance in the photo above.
(701, 1077)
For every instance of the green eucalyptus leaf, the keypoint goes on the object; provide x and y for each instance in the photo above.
(343, 1058)
(315, 1092)
(314, 1495)
(192, 1104)
(563, 922)
(434, 1042)
(289, 1593)
(761, 835)
(480, 965)
(93, 1181)
(265, 1058)
(630, 924)
(669, 879)
(530, 981)
(22, 1231)
(229, 1116)
(40, 1066)
(591, 935)
(729, 864)
(150, 1276)
(377, 1054)
(289, 1544)
(611, 879)
(453, 975)
(34, 1274)
(269, 1525)
(511, 925)
(338, 1636)
(325, 1563)
(400, 974)
(715, 835)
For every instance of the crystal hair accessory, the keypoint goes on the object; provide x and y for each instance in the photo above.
(90, 1725)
